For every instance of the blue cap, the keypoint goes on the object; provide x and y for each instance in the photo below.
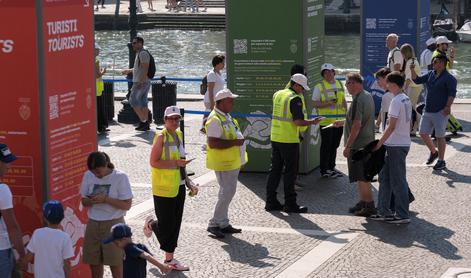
(53, 211)
(5, 154)
(118, 231)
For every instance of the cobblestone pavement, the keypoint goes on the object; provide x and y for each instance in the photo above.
(327, 241)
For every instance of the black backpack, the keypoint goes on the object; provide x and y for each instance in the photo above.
(151, 70)
(204, 85)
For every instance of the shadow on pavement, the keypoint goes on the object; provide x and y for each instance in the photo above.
(172, 274)
(246, 253)
(419, 233)
(453, 177)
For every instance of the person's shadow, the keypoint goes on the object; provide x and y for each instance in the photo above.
(453, 177)
(419, 233)
(245, 252)
(173, 274)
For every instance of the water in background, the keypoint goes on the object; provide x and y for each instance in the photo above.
(188, 54)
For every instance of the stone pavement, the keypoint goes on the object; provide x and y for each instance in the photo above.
(327, 241)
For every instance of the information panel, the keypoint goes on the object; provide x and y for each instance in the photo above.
(382, 17)
(48, 116)
(261, 51)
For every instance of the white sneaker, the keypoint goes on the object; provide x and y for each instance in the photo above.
(176, 265)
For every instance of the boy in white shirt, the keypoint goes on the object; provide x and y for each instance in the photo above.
(50, 247)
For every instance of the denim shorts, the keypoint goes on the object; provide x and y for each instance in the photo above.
(138, 97)
(7, 263)
(433, 121)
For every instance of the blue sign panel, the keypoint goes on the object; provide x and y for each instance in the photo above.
(409, 19)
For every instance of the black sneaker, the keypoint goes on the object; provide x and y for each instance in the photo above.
(440, 165)
(325, 174)
(273, 207)
(398, 220)
(432, 158)
(295, 209)
(339, 174)
(141, 124)
(356, 207)
(379, 217)
(145, 127)
(230, 230)
(367, 210)
(215, 231)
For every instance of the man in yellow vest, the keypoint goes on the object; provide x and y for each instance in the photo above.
(289, 118)
(225, 154)
(102, 122)
(442, 48)
(329, 99)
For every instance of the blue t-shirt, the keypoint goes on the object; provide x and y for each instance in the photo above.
(439, 88)
(134, 266)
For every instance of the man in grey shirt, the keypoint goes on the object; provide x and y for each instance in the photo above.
(359, 132)
(140, 83)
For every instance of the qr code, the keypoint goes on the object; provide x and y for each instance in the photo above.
(240, 46)
(53, 107)
(371, 23)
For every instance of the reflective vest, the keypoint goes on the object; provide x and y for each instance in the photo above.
(224, 159)
(327, 93)
(438, 52)
(283, 129)
(100, 86)
(166, 182)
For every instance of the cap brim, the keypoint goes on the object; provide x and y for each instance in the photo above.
(306, 88)
(108, 240)
(173, 114)
(9, 158)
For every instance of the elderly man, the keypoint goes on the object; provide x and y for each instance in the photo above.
(225, 154)
(441, 92)
(395, 59)
(289, 118)
(10, 233)
(359, 132)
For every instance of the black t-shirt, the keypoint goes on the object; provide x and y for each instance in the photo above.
(134, 266)
(296, 107)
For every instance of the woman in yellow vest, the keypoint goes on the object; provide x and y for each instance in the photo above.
(169, 178)
(102, 122)
(329, 99)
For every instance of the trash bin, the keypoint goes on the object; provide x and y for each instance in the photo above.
(163, 95)
(108, 96)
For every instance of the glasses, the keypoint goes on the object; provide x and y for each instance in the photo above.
(175, 119)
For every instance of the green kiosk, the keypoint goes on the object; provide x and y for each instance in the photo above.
(264, 39)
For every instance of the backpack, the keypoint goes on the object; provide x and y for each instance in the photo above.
(151, 70)
(204, 85)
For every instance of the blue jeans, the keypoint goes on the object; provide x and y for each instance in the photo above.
(392, 179)
(7, 263)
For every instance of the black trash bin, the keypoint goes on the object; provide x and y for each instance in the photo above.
(108, 96)
(163, 95)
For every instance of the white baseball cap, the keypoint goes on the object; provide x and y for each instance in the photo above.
(172, 111)
(224, 93)
(430, 41)
(301, 80)
(442, 39)
(327, 67)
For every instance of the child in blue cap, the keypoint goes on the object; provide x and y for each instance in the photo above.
(136, 254)
(50, 247)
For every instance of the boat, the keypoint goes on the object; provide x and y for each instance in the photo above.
(465, 31)
(443, 25)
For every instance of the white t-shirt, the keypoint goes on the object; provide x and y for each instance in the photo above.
(397, 59)
(425, 60)
(6, 202)
(385, 102)
(115, 185)
(214, 130)
(219, 83)
(408, 73)
(401, 109)
(50, 248)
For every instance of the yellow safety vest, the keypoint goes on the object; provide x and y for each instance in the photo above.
(224, 159)
(283, 129)
(166, 182)
(100, 86)
(327, 93)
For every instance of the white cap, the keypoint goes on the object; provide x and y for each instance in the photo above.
(224, 93)
(172, 111)
(327, 67)
(301, 80)
(443, 39)
(430, 41)
(97, 46)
